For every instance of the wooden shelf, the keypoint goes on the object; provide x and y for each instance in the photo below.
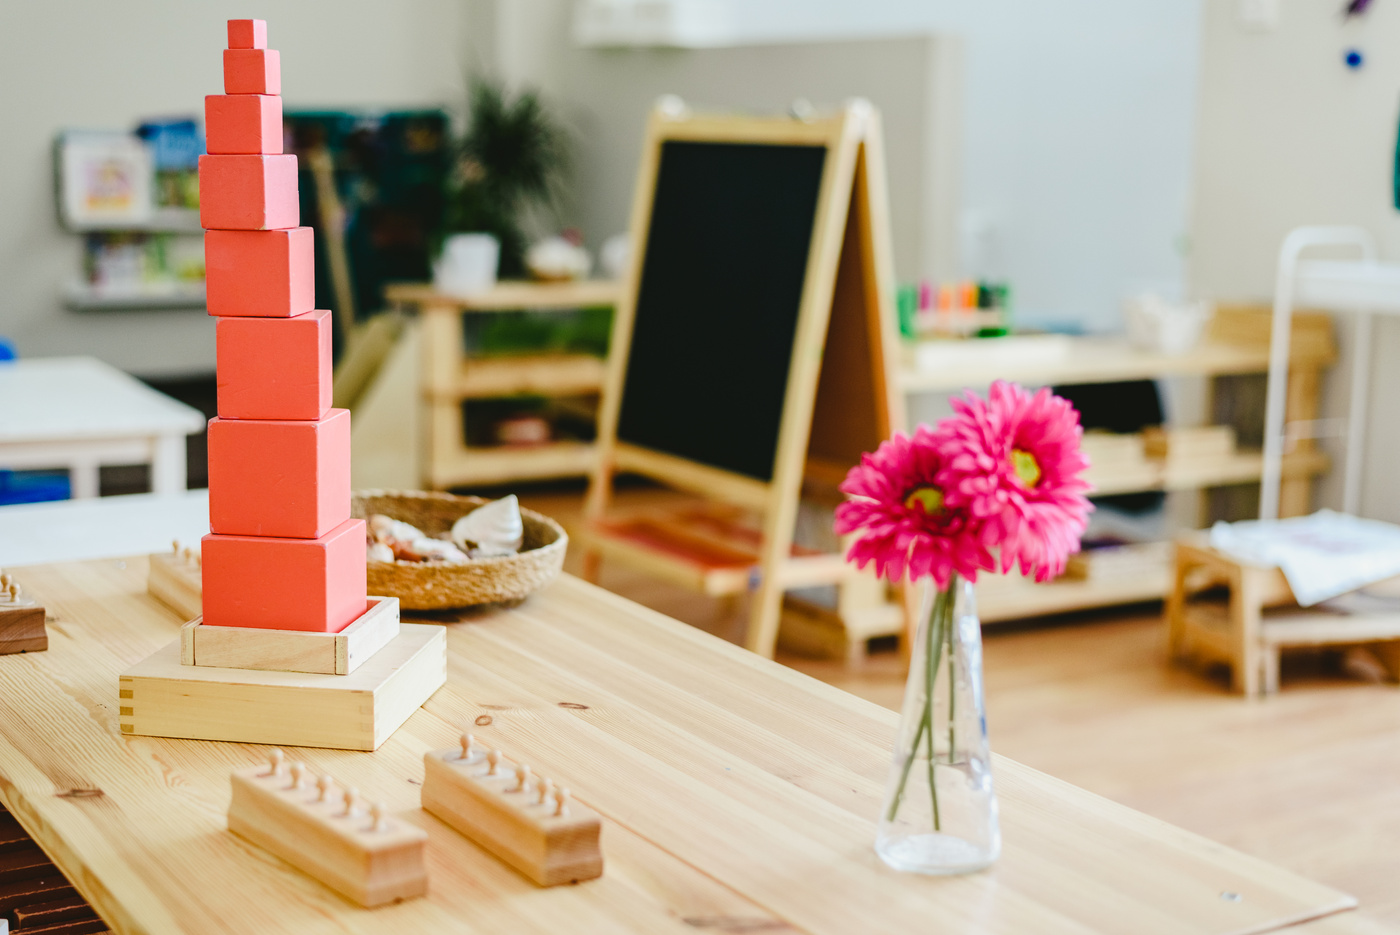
(539, 375)
(161, 221)
(1190, 474)
(81, 297)
(1009, 597)
(501, 465)
(510, 295)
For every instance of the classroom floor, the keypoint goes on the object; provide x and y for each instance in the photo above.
(1306, 779)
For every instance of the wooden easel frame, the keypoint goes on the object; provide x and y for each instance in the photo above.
(850, 237)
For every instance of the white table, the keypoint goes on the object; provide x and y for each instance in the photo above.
(79, 413)
(103, 527)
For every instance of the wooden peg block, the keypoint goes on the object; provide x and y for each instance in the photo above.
(247, 34)
(252, 71)
(21, 622)
(359, 851)
(249, 193)
(260, 274)
(286, 584)
(175, 580)
(483, 797)
(243, 123)
(289, 479)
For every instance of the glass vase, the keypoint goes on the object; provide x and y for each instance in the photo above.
(940, 810)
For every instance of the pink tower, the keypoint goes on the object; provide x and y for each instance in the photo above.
(283, 552)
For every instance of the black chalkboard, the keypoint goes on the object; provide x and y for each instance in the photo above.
(721, 284)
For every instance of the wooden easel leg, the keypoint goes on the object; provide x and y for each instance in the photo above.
(1175, 608)
(1245, 663)
(1270, 662)
(764, 615)
(592, 565)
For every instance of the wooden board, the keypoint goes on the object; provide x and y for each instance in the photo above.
(324, 830)
(739, 795)
(292, 650)
(163, 698)
(528, 821)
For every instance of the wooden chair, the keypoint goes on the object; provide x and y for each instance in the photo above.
(1223, 609)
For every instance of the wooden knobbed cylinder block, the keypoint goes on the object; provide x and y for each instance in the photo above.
(353, 847)
(496, 803)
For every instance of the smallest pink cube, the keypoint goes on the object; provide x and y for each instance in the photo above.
(247, 34)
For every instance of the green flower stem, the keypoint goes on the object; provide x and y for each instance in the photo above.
(938, 632)
(948, 626)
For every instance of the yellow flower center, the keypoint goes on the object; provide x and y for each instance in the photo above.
(930, 498)
(1025, 466)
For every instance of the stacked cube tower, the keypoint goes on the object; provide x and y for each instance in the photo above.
(283, 552)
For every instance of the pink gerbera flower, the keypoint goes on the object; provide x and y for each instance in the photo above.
(1013, 462)
(898, 509)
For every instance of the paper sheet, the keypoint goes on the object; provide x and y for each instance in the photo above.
(1322, 555)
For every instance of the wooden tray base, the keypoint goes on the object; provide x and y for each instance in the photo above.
(160, 697)
(292, 650)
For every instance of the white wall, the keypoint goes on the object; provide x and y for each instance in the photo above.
(88, 63)
(1289, 136)
(1078, 131)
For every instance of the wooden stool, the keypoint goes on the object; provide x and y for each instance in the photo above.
(1216, 611)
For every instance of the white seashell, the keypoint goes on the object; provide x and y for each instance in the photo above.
(493, 528)
(379, 552)
(433, 550)
(383, 528)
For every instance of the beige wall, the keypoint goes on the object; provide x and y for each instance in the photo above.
(1288, 136)
(88, 63)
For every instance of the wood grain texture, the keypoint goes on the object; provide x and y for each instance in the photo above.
(292, 650)
(22, 630)
(739, 795)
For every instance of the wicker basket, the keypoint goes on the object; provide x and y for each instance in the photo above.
(440, 585)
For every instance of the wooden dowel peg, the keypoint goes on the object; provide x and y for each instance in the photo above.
(561, 802)
(546, 790)
(274, 761)
(379, 813)
(468, 742)
(174, 546)
(324, 785)
(493, 760)
(188, 555)
(298, 771)
(349, 797)
(522, 778)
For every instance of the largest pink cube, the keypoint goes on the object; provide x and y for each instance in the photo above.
(316, 585)
(250, 193)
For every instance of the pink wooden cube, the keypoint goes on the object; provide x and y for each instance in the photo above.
(247, 34)
(243, 123)
(252, 71)
(286, 584)
(248, 192)
(266, 273)
(289, 479)
(275, 368)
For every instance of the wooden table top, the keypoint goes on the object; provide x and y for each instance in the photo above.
(737, 795)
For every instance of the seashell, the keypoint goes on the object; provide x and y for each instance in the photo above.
(386, 529)
(430, 550)
(491, 529)
(379, 552)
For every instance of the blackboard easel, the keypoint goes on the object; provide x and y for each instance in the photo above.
(713, 190)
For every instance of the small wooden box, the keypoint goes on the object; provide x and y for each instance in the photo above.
(292, 650)
(22, 630)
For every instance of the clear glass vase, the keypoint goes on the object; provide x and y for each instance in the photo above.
(940, 810)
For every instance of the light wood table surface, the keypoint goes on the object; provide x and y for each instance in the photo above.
(737, 795)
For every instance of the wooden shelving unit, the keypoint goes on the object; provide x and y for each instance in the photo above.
(1237, 343)
(449, 377)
